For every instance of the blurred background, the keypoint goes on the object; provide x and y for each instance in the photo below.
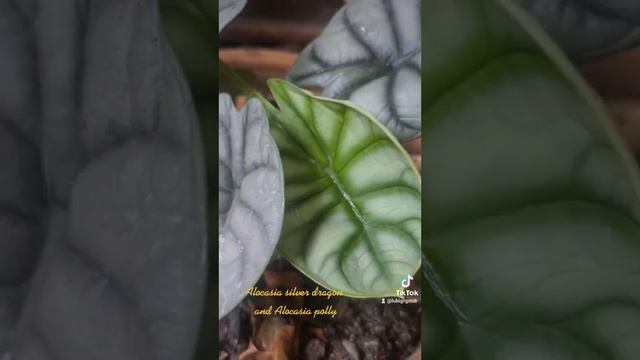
(617, 80)
(267, 36)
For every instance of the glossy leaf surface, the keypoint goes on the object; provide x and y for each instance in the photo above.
(532, 236)
(370, 54)
(352, 195)
(588, 28)
(251, 203)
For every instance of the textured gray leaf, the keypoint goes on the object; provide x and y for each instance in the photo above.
(251, 198)
(102, 188)
(588, 28)
(227, 10)
(370, 53)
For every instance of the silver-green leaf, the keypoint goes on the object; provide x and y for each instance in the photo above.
(353, 216)
(251, 202)
(370, 53)
(588, 28)
(227, 10)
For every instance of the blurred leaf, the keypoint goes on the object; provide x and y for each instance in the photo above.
(192, 37)
(531, 205)
(228, 9)
(588, 28)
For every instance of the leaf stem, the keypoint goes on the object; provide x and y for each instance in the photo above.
(236, 79)
(245, 88)
(441, 292)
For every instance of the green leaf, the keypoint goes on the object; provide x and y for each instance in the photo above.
(207, 8)
(352, 220)
(588, 28)
(370, 54)
(532, 236)
(251, 199)
(193, 38)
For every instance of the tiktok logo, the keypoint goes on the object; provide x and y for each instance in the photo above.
(407, 282)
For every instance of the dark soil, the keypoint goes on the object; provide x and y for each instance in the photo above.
(363, 329)
(234, 333)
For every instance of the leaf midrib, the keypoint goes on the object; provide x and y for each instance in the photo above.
(336, 181)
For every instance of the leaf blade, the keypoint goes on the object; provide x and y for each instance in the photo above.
(251, 203)
(532, 228)
(340, 233)
(589, 28)
(370, 54)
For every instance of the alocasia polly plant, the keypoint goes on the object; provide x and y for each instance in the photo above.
(532, 208)
(352, 195)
